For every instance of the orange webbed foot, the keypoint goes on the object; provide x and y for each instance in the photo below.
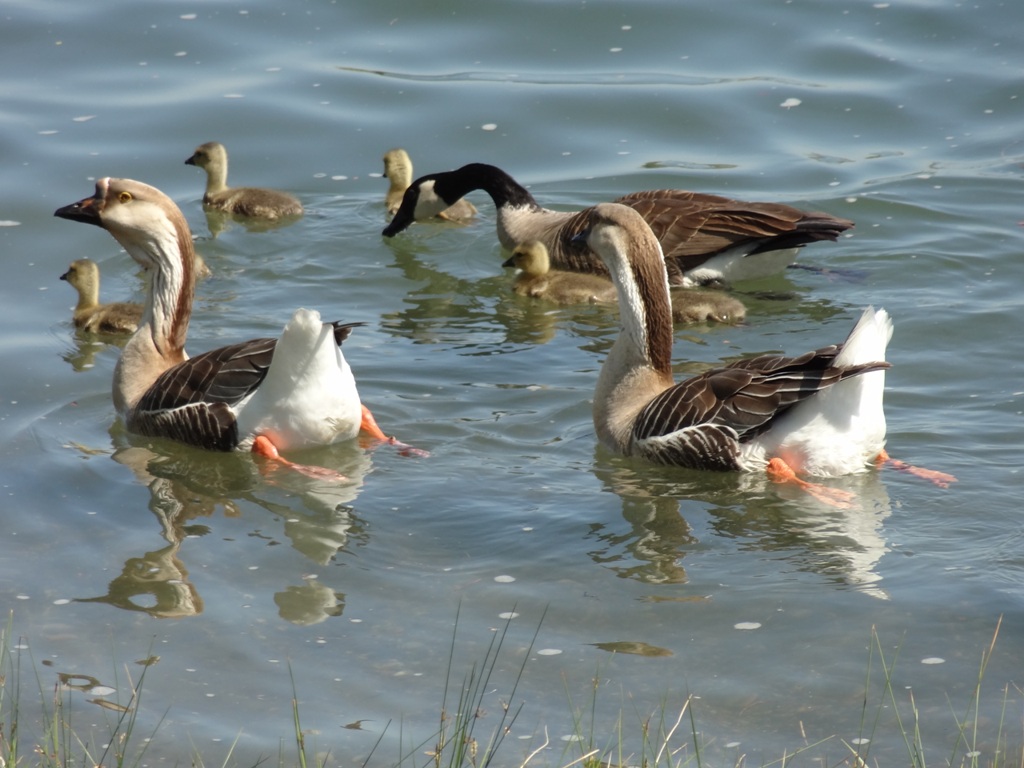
(941, 479)
(263, 446)
(369, 428)
(780, 472)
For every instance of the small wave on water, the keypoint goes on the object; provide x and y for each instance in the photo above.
(581, 78)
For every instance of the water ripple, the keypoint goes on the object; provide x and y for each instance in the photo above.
(582, 78)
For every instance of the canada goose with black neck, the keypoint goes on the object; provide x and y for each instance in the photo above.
(706, 238)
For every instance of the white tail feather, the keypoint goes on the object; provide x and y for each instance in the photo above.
(868, 339)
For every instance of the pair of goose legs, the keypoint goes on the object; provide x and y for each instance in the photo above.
(368, 428)
(780, 472)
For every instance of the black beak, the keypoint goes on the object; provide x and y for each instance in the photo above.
(85, 211)
(65, 275)
(508, 262)
(191, 160)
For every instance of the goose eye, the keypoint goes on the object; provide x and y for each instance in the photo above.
(124, 197)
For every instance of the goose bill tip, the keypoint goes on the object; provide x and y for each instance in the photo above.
(84, 211)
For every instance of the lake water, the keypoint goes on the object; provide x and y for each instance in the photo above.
(651, 583)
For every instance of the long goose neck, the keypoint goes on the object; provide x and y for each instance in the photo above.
(645, 308)
(639, 364)
(503, 189)
(159, 341)
(168, 308)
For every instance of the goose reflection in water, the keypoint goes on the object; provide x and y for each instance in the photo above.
(184, 490)
(844, 546)
(484, 316)
(81, 351)
(218, 222)
(309, 604)
(653, 548)
(481, 315)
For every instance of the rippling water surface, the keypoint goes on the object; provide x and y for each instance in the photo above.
(655, 583)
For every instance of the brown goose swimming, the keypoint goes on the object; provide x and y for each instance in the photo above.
(255, 202)
(275, 394)
(398, 171)
(706, 239)
(538, 280)
(116, 317)
(818, 413)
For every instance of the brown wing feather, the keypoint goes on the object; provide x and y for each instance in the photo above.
(693, 226)
(575, 256)
(225, 375)
(702, 421)
(192, 401)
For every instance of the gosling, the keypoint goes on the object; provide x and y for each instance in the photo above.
(537, 280)
(253, 202)
(117, 317)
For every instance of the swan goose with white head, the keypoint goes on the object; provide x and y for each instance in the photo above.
(819, 413)
(115, 317)
(255, 202)
(706, 239)
(272, 394)
(537, 280)
(398, 172)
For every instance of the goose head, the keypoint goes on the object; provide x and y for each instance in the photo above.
(422, 201)
(84, 276)
(212, 157)
(531, 257)
(627, 246)
(151, 228)
(145, 221)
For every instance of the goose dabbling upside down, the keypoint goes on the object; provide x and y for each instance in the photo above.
(272, 394)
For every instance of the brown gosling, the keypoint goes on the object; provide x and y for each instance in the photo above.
(117, 317)
(706, 239)
(536, 279)
(698, 305)
(255, 202)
